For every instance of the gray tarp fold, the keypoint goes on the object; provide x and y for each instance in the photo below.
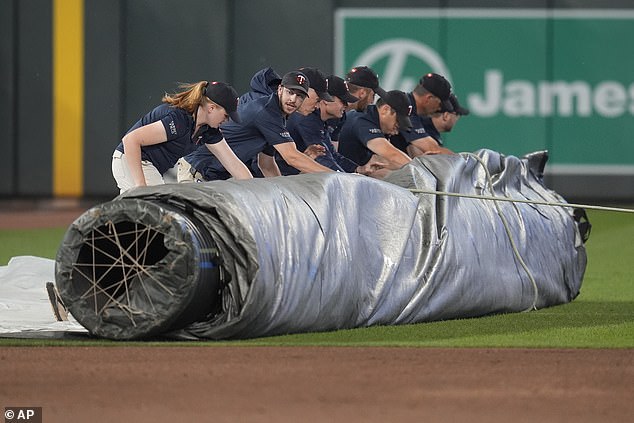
(328, 251)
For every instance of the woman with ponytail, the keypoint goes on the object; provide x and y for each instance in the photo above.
(182, 122)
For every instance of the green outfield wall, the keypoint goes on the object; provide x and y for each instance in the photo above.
(533, 79)
(536, 75)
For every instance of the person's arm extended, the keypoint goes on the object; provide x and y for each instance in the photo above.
(229, 160)
(395, 157)
(151, 134)
(427, 145)
(299, 160)
(268, 166)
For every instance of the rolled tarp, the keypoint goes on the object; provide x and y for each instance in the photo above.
(317, 252)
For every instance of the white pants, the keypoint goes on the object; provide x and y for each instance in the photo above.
(122, 175)
(186, 173)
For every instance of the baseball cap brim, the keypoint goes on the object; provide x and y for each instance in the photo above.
(380, 92)
(462, 111)
(297, 87)
(446, 105)
(323, 95)
(348, 98)
(404, 122)
(457, 108)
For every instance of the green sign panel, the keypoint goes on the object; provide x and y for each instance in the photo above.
(561, 80)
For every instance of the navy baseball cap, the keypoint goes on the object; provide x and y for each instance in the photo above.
(446, 106)
(318, 82)
(339, 88)
(296, 80)
(399, 101)
(224, 95)
(457, 108)
(438, 86)
(364, 76)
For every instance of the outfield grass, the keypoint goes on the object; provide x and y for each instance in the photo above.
(601, 317)
(29, 242)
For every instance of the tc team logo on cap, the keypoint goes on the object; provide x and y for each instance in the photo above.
(301, 80)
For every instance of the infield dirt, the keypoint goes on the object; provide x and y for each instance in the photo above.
(318, 384)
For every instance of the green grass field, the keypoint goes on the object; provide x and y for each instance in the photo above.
(601, 317)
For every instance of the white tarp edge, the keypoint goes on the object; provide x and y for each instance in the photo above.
(24, 304)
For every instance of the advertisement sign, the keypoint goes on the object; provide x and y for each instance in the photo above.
(533, 79)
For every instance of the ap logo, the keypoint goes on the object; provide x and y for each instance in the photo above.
(400, 62)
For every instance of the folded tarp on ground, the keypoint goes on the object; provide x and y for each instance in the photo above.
(322, 252)
(24, 304)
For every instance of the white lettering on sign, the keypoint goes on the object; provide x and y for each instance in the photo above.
(523, 98)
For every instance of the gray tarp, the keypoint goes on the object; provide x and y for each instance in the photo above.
(328, 251)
